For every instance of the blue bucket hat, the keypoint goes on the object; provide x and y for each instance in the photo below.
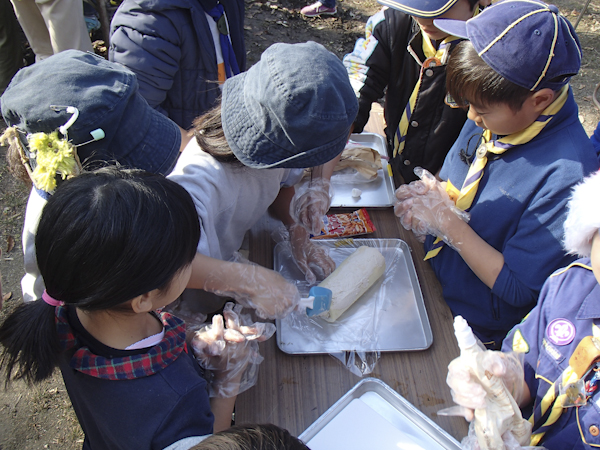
(526, 41)
(113, 122)
(426, 9)
(294, 108)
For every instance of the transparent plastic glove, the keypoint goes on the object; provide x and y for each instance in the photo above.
(228, 349)
(309, 256)
(470, 395)
(424, 207)
(264, 290)
(470, 441)
(308, 207)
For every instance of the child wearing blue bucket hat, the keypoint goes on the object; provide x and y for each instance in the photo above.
(292, 110)
(75, 110)
(511, 169)
(403, 58)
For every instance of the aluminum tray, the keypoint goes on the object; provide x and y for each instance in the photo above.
(395, 301)
(377, 193)
(374, 416)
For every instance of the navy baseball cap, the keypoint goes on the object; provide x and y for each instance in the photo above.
(426, 9)
(294, 108)
(526, 41)
(113, 121)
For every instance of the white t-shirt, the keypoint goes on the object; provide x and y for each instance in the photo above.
(229, 197)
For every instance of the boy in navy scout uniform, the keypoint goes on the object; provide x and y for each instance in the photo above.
(559, 342)
(511, 169)
(403, 56)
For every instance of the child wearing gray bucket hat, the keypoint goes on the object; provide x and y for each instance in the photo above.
(73, 109)
(292, 110)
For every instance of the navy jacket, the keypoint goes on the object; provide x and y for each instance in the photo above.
(519, 209)
(388, 62)
(168, 44)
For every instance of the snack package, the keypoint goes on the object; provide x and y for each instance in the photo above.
(345, 224)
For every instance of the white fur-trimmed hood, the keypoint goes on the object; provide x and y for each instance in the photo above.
(583, 218)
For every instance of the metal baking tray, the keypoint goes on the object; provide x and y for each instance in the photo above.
(377, 193)
(390, 316)
(374, 416)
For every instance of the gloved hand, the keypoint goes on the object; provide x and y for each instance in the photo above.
(264, 290)
(307, 208)
(424, 207)
(309, 255)
(229, 350)
(470, 395)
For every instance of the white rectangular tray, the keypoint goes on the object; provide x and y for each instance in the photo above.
(374, 416)
(396, 300)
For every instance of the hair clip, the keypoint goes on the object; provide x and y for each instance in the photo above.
(70, 110)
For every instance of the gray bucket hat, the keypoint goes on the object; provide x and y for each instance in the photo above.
(294, 108)
(107, 100)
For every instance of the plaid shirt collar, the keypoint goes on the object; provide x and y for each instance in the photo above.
(123, 368)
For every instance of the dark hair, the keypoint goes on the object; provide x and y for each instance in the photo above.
(104, 238)
(255, 437)
(208, 130)
(470, 79)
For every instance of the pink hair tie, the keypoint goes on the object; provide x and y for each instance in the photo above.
(51, 301)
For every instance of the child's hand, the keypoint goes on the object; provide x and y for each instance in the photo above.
(424, 207)
(309, 207)
(308, 255)
(264, 290)
(228, 348)
(468, 393)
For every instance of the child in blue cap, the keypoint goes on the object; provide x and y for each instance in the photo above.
(511, 169)
(252, 148)
(403, 57)
(550, 361)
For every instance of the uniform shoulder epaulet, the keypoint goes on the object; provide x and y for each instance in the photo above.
(570, 266)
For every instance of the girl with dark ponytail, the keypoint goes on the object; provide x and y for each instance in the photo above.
(114, 247)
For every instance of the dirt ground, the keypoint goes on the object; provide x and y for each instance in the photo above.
(41, 417)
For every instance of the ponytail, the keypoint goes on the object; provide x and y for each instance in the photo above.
(31, 349)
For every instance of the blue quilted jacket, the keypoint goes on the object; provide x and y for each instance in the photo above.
(168, 44)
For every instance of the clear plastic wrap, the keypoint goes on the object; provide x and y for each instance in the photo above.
(228, 349)
(424, 207)
(358, 164)
(354, 337)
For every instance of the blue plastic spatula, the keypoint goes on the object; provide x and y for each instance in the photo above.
(317, 302)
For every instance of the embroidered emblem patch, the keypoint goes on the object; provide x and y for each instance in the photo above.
(519, 345)
(560, 332)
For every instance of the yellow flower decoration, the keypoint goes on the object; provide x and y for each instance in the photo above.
(53, 156)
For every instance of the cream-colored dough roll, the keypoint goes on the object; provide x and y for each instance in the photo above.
(351, 279)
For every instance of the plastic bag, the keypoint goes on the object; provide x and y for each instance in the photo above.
(228, 349)
(353, 338)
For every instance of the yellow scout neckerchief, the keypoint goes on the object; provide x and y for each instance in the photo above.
(463, 198)
(551, 405)
(434, 58)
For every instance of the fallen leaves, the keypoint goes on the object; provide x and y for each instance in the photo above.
(10, 243)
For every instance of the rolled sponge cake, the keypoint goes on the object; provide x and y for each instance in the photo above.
(351, 279)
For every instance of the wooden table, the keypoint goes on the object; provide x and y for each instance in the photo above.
(294, 390)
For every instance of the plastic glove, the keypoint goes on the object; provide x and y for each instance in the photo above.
(309, 255)
(424, 207)
(228, 348)
(264, 290)
(470, 395)
(307, 208)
